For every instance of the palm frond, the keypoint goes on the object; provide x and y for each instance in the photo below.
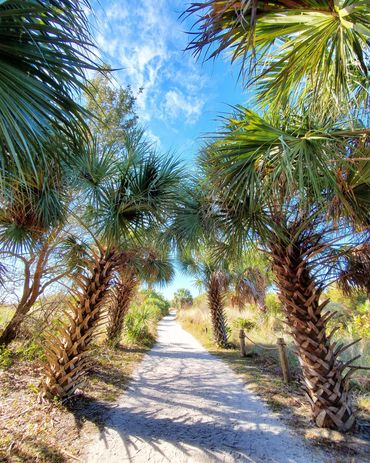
(289, 47)
(46, 49)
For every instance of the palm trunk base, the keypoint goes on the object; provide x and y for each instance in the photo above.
(324, 382)
(68, 354)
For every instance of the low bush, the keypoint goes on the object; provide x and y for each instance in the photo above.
(142, 319)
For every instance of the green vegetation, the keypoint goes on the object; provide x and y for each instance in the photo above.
(276, 215)
(182, 298)
(141, 319)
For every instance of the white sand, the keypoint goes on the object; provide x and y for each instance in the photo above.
(185, 405)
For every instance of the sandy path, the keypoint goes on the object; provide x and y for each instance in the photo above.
(185, 405)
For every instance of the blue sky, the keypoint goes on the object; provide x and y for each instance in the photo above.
(181, 99)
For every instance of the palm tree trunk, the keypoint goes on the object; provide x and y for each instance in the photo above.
(216, 306)
(122, 295)
(324, 382)
(67, 359)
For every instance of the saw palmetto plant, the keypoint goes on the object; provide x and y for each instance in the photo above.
(290, 48)
(276, 180)
(46, 50)
(139, 197)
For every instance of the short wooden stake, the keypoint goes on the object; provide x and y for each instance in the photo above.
(283, 359)
(242, 343)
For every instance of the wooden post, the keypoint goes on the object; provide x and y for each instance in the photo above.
(242, 343)
(283, 359)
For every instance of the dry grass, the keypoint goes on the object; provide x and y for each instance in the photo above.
(49, 433)
(261, 372)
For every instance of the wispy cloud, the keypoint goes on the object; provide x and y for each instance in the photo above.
(144, 38)
(177, 104)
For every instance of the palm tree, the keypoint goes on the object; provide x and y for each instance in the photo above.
(275, 181)
(194, 232)
(291, 49)
(182, 298)
(136, 194)
(146, 265)
(47, 48)
(214, 278)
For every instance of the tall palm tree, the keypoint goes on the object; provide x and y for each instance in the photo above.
(146, 265)
(182, 298)
(194, 230)
(275, 182)
(136, 194)
(290, 48)
(46, 50)
(214, 278)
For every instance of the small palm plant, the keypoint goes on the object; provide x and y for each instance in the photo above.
(136, 193)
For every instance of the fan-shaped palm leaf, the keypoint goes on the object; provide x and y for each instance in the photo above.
(45, 50)
(294, 46)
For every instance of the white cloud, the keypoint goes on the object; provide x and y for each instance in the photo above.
(144, 38)
(177, 104)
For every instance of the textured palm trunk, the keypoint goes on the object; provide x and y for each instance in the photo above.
(323, 372)
(67, 354)
(122, 295)
(216, 307)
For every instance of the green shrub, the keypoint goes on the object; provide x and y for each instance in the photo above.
(31, 351)
(273, 304)
(6, 358)
(139, 322)
(162, 304)
(142, 318)
(244, 323)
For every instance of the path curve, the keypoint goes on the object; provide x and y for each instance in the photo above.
(186, 406)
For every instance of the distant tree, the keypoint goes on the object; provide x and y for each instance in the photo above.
(114, 110)
(182, 298)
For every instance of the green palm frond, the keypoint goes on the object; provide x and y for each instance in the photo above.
(155, 267)
(290, 47)
(46, 47)
(257, 161)
(142, 196)
(37, 201)
(75, 253)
